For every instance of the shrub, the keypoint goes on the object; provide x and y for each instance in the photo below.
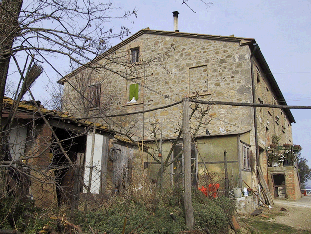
(212, 215)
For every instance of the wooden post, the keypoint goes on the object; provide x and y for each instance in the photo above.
(162, 165)
(104, 166)
(187, 165)
(226, 175)
(91, 161)
(75, 190)
(91, 168)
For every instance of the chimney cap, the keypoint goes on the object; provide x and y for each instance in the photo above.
(175, 13)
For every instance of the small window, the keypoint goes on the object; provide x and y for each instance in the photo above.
(258, 77)
(94, 95)
(246, 157)
(133, 93)
(277, 118)
(135, 55)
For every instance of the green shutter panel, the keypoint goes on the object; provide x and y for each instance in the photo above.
(133, 92)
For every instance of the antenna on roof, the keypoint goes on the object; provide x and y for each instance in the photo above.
(185, 2)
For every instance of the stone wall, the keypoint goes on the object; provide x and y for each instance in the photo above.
(169, 69)
(270, 121)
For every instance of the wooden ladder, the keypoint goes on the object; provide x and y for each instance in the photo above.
(265, 189)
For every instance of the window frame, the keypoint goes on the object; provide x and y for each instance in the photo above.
(246, 157)
(135, 54)
(94, 93)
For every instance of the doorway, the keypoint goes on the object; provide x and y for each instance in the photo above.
(279, 185)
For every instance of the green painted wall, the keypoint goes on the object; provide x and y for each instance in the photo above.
(209, 150)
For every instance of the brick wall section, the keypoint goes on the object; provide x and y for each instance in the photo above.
(291, 180)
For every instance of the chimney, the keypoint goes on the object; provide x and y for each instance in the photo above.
(175, 15)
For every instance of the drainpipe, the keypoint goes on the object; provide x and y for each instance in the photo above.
(175, 15)
(254, 101)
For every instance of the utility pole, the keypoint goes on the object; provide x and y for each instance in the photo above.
(187, 165)
(9, 28)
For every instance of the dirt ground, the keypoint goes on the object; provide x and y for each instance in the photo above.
(283, 217)
(297, 214)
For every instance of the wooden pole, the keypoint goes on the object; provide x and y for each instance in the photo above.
(91, 168)
(92, 160)
(226, 175)
(187, 166)
(104, 171)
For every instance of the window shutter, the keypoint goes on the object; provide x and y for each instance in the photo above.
(94, 95)
(133, 92)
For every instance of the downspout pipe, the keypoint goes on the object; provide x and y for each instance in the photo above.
(255, 48)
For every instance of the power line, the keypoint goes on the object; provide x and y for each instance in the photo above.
(248, 104)
(208, 103)
(292, 72)
(137, 112)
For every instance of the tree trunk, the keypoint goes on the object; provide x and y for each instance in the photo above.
(187, 166)
(9, 28)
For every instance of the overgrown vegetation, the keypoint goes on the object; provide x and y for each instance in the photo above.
(21, 215)
(289, 155)
(136, 213)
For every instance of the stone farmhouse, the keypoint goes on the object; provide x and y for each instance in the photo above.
(136, 87)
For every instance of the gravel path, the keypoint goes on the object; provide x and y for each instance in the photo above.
(298, 214)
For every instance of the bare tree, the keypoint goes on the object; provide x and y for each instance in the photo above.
(89, 98)
(75, 31)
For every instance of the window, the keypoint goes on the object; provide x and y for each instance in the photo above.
(94, 95)
(133, 93)
(283, 129)
(258, 77)
(135, 55)
(246, 157)
(277, 120)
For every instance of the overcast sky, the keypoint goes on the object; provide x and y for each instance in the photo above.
(281, 28)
